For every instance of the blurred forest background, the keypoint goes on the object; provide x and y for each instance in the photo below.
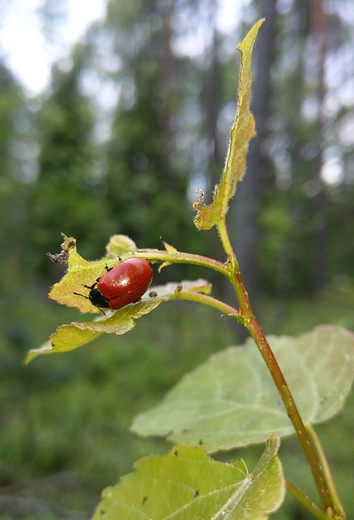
(137, 116)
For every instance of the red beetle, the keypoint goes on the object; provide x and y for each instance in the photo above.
(122, 284)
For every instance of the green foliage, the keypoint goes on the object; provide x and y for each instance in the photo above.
(301, 135)
(76, 334)
(80, 272)
(65, 427)
(15, 170)
(242, 131)
(186, 484)
(95, 203)
(202, 408)
(140, 150)
(66, 189)
(208, 405)
(10, 112)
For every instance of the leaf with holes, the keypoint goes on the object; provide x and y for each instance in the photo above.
(242, 131)
(82, 272)
(76, 334)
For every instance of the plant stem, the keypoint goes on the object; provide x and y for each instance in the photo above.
(337, 505)
(227, 246)
(183, 258)
(245, 315)
(207, 300)
(306, 501)
(259, 338)
(256, 332)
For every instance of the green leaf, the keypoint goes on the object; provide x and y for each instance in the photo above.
(242, 131)
(186, 484)
(76, 334)
(232, 401)
(82, 272)
(119, 246)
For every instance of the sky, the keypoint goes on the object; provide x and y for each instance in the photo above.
(30, 57)
(24, 48)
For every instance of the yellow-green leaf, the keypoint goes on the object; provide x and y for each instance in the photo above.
(76, 334)
(119, 246)
(242, 131)
(186, 484)
(81, 272)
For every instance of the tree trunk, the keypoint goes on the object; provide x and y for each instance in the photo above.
(168, 97)
(319, 22)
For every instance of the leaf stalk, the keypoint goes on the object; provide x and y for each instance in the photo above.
(328, 499)
(301, 497)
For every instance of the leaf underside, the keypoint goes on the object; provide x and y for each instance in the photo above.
(76, 334)
(80, 276)
(231, 400)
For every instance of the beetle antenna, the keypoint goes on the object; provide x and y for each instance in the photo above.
(78, 294)
(87, 298)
